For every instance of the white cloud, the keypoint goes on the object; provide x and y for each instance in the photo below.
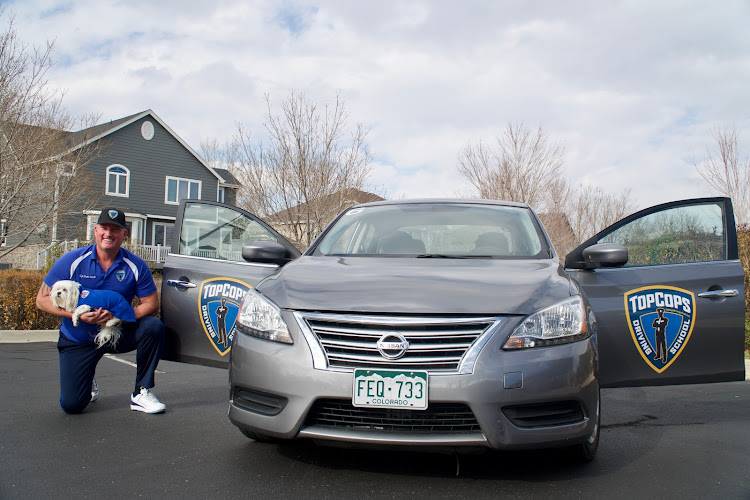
(631, 88)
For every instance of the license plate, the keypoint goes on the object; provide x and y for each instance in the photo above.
(390, 389)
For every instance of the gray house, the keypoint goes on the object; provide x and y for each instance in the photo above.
(145, 169)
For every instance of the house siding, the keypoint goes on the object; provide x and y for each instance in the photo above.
(149, 162)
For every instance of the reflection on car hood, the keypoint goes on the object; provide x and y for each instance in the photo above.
(421, 286)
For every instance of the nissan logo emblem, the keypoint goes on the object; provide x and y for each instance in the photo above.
(392, 345)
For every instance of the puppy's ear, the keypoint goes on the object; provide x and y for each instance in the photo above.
(54, 298)
(72, 298)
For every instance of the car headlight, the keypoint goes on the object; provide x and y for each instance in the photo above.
(261, 318)
(558, 324)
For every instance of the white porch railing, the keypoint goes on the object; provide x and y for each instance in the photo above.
(153, 254)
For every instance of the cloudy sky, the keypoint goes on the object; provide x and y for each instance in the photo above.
(631, 88)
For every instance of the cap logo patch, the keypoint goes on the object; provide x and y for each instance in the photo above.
(113, 214)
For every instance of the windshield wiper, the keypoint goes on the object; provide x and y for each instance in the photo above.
(451, 256)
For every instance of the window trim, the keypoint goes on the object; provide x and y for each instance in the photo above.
(107, 188)
(165, 225)
(168, 178)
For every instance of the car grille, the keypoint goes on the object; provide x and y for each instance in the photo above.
(439, 417)
(435, 344)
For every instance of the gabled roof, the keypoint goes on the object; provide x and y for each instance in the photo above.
(86, 136)
(229, 179)
(349, 196)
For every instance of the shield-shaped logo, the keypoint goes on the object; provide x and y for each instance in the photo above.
(112, 214)
(219, 305)
(661, 320)
(120, 275)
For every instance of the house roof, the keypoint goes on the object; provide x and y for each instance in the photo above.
(349, 196)
(86, 136)
(229, 179)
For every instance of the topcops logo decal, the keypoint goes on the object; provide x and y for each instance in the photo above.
(660, 319)
(219, 306)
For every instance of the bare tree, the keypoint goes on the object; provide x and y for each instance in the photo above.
(727, 171)
(217, 155)
(593, 209)
(521, 165)
(42, 166)
(306, 171)
(526, 166)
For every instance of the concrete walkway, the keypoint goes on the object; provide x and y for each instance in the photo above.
(21, 336)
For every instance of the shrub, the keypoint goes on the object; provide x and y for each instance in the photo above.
(743, 241)
(18, 310)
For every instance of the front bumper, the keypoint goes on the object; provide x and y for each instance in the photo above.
(274, 387)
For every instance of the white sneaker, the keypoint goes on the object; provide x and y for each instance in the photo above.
(94, 391)
(147, 402)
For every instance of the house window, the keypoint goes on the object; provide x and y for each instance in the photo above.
(162, 234)
(3, 232)
(67, 169)
(220, 197)
(118, 181)
(179, 189)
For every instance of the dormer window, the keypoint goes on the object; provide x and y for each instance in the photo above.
(118, 181)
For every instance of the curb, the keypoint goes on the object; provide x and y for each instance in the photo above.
(23, 336)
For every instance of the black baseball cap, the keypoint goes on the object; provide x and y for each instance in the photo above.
(112, 216)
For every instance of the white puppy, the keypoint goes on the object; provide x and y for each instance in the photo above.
(67, 294)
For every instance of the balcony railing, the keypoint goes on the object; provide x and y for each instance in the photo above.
(155, 255)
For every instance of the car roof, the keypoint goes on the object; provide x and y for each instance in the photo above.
(446, 201)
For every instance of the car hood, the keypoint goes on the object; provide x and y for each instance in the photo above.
(417, 286)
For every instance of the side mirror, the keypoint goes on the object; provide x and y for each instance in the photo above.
(605, 255)
(267, 252)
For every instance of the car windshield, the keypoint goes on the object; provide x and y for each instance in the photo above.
(435, 230)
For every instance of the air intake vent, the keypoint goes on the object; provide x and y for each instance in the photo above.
(258, 402)
(545, 414)
(439, 417)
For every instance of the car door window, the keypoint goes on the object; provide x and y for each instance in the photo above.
(679, 235)
(218, 232)
(675, 314)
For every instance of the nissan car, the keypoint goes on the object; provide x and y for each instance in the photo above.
(451, 324)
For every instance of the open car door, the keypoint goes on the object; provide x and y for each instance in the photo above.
(674, 313)
(205, 278)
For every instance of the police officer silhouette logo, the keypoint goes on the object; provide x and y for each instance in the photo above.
(660, 332)
(221, 321)
(219, 305)
(660, 319)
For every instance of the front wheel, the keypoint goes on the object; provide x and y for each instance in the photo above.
(586, 451)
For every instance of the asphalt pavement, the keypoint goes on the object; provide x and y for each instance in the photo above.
(660, 442)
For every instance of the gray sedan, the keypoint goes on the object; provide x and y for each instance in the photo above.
(451, 323)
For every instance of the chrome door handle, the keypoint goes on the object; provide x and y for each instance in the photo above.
(718, 294)
(181, 284)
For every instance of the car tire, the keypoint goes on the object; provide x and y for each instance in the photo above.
(257, 437)
(586, 451)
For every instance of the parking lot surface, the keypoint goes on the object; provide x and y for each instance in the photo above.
(660, 442)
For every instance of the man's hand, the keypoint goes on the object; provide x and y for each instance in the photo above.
(97, 316)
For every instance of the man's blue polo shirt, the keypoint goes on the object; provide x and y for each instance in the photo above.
(129, 276)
